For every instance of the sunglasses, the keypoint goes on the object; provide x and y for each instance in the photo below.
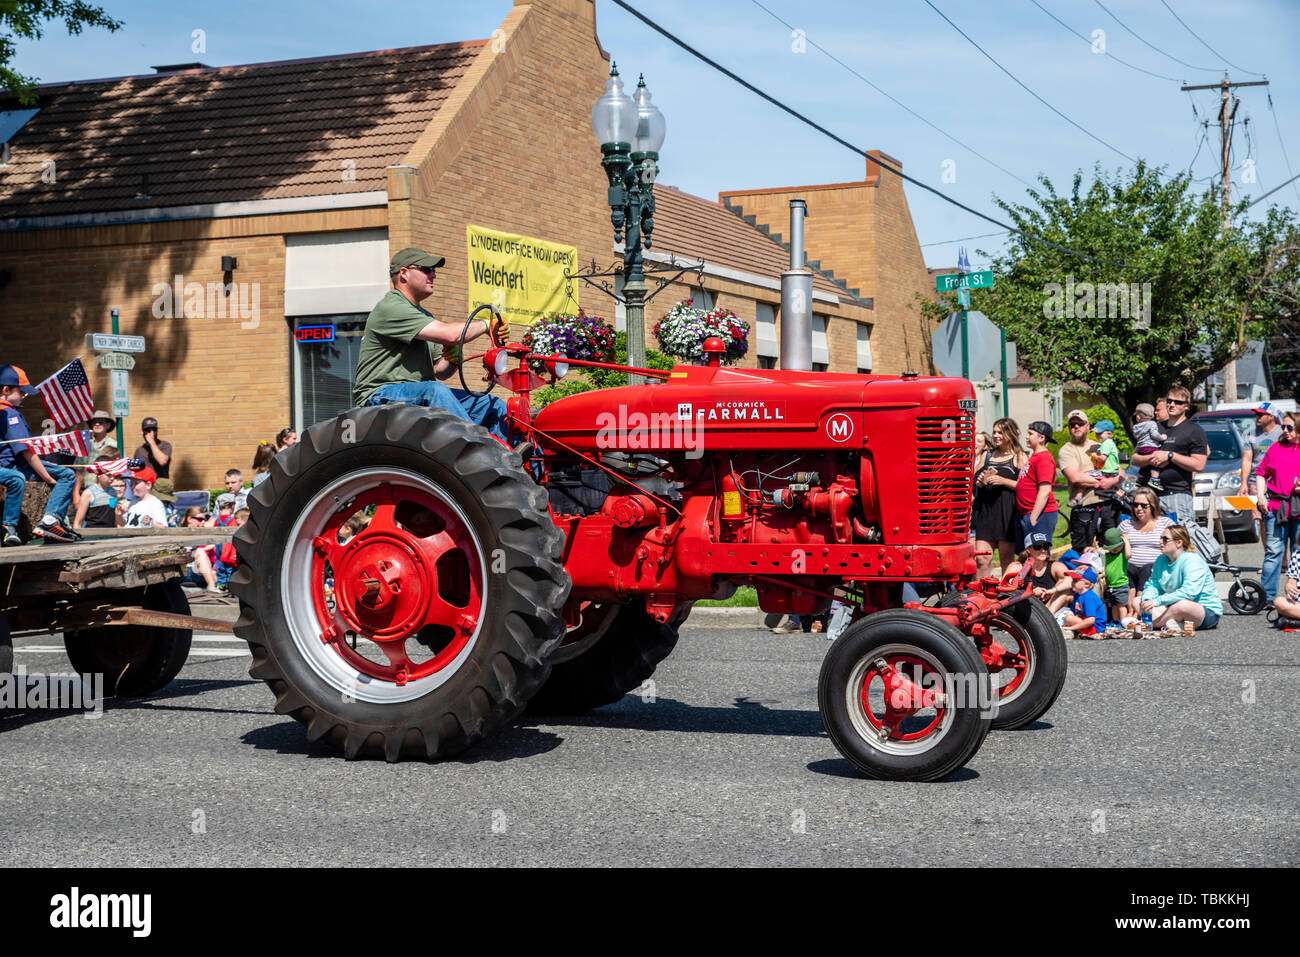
(1141, 505)
(427, 270)
(1288, 428)
(1165, 540)
(1176, 401)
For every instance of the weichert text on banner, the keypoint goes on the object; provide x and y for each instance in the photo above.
(522, 276)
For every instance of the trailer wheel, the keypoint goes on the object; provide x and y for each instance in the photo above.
(428, 629)
(6, 648)
(1029, 672)
(618, 659)
(135, 661)
(877, 696)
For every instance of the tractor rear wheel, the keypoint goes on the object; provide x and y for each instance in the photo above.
(878, 701)
(135, 660)
(1029, 670)
(399, 583)
(620, 655)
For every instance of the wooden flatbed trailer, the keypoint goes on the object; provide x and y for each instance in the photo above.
(117, 599)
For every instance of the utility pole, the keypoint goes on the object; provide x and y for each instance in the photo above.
(1228, 104)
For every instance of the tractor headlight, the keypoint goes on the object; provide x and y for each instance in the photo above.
(498, 360)
(558, 368)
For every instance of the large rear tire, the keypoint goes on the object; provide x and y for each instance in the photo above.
(620, 660)
(428, 629)
(900, 733)
(135, 660)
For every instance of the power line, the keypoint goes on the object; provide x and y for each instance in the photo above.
(1262, 195)
(857, 150)
(963, 239)
(1158, 76)
(892, 99)
(1206, 45)
(1027, 89)
(1281, 143)
(1205, 69)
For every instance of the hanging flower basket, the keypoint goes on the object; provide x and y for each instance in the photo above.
(682, 332)
(574, 337)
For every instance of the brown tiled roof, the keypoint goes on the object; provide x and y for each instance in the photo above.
(691, 227)
(226, 134)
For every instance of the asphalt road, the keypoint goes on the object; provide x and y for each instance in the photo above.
(1169, 752)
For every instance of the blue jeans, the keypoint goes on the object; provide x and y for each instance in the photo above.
(487, 411)
(15, 482)
(1277, 535)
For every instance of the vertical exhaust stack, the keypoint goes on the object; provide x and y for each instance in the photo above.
(796, 298)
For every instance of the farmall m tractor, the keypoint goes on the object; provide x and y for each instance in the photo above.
(408, 584)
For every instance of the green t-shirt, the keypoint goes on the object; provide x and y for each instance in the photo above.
(1116, 569)
(390, 353)
(1111, 451)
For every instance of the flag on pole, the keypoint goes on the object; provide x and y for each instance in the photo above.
(963, 263)
(78, 443)
(67, 395)
(115, 467)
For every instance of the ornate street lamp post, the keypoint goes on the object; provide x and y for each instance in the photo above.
(630, 130)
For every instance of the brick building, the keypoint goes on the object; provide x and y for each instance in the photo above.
(138, 193)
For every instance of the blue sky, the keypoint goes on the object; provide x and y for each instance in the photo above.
(722, 137)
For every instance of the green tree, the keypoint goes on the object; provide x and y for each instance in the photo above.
(1210, 290)
(26, 19)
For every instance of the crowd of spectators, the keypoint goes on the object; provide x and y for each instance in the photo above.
(1130, 565)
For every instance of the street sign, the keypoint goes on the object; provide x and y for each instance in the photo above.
(115, 360)
(963, 298)
(946, 282)
(103, 342)
(984, 346)
(121, 398)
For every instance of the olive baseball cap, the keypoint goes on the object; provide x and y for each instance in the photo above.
(410, 256)
(165, 490)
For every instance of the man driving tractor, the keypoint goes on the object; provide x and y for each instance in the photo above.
(406, 352)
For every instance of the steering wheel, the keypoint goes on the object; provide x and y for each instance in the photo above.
(491, 336)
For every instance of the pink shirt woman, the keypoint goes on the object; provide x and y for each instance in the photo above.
(1280, 469)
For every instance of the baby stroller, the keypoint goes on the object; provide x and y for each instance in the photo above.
(1246, 596)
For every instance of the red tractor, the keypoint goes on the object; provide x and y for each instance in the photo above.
(408, 584)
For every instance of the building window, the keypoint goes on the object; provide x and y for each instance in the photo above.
(864, 348)
(323, 372)
(700, 299)
(820, 350)
(767, 362)
(765, 342)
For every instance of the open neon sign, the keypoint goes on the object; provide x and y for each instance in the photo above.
(324, 333)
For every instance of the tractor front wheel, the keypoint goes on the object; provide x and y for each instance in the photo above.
(905, 696)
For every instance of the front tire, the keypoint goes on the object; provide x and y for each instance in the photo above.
(428, 628)
(1247, 597)
(890, 734)
(135, 661)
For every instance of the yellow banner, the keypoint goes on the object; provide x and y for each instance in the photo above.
(522, 276)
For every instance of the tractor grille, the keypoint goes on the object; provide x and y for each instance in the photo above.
(943, 472)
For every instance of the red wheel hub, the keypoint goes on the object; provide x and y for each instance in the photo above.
(903, 696)
(413, 571)
(998, 658)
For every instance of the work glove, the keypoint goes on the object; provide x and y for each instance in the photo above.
(500, 328)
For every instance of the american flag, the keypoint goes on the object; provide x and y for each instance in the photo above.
(67, 395)
(78, 443)
(115, 467)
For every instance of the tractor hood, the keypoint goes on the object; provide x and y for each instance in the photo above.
(710, 408)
